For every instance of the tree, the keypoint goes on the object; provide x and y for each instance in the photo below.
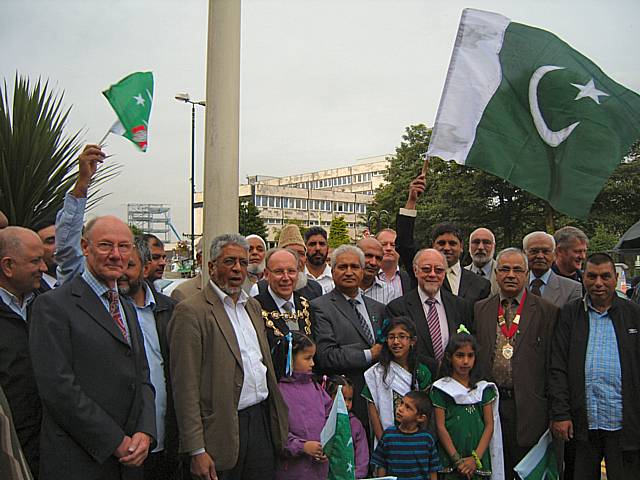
(250, 221)
(37, 159)
(473, 198)
(338, 234)
(136, 230)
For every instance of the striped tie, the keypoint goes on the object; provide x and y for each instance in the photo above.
(366, 328)
(114, 310)
(433, 322)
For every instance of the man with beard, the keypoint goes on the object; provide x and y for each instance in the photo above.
(154, 310)
(283, 310)
(232, 419)
(482, 244)
(257, 251)
(46, 230)
(371, 284)
(158, 258)
(21, 270)
(315, 239)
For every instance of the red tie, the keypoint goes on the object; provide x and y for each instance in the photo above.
(433, 322)
(114, 310)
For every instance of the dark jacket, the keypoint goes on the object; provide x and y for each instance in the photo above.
(310, 291)
(472, 287)
(19, 384)
(566, 371)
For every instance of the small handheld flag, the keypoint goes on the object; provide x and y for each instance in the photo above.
(337, 442)
(131, 99)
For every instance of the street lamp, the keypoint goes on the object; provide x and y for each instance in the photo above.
(184, 97)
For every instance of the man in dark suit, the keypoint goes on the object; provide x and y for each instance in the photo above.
(21, 268)
(446, 238)
(345, 325)
(513, 330)
(90, 366)
(283, 310)
(449, 311)
(543, 281)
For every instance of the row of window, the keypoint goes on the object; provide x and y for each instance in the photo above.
(304, 204)
(337, 181)
(280, 221)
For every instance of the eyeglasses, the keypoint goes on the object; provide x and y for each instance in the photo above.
(477, 241)
(231, 261)
(516, 270)
(401, 337)
(427, 269)
(108, 247)
(281, 271)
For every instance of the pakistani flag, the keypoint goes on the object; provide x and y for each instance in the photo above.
(131, 99)
(540, 463)
(521, 104)
(337, 442)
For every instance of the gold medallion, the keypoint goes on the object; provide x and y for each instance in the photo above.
(507, 351)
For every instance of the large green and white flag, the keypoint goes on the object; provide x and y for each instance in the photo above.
(540, 463)
(337, 442)
(131, 99)
(521, 104)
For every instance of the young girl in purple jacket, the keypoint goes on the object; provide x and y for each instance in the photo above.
(309, 406)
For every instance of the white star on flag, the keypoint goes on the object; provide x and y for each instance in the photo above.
(349, 467)
(589, 90)
(139, 100)
(350, 441)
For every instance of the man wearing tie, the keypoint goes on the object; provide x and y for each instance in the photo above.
(436, 312)
(283, 310)
(345, 325)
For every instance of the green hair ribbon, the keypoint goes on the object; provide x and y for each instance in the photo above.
(463, 329)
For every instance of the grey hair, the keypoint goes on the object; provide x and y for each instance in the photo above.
(565, 235)
(528, 237)
(513, 250)
(342, 249)
(221, 241)
(271, 251)
(143, 250)
(421, 251)
(493, 237)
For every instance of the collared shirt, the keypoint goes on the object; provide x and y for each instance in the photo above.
(602, 373)
(100, 289)
(362, 308)
(68, 234)
(453, 276)
(442, 314)
(17, 307)
(379, 291)
(394, 282)
(147, 321)
(577, 275)
(516, 300)
(545, 279)
(325, 279)
(292, 324)
(50, 280)
(485, 269)
(254, 385)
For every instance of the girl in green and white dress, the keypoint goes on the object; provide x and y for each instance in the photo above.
(466, 413)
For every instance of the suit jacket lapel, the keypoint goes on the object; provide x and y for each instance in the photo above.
(527, 317)
(88, 301)
(450, 310)
(345, 308)
(464, 283)
(552, 289)
(224, 323)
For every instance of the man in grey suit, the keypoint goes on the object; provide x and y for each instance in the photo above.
(345, 325)
(543, 281)
(90, 366)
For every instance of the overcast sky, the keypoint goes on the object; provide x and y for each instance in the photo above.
(323, 82)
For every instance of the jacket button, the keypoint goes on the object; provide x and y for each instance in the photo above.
(128, 354)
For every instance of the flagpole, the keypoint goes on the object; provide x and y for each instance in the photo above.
(108, 132)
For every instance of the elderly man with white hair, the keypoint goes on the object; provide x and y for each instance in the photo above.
(543, 281)
(482, 245)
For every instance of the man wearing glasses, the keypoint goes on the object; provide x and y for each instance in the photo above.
(513, 329)
(231, 416)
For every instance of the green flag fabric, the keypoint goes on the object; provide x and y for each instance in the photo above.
(337, 442)
(131, 99)
(523, 105)
(540, 463)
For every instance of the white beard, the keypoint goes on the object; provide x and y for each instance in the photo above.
(301, 281)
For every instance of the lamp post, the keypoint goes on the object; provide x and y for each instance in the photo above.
(184, 97)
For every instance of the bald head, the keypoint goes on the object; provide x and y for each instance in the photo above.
(4, 222)
(21, 260)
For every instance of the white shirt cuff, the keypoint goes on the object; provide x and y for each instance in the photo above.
(407, 212)
(368, 356)
(197, 452)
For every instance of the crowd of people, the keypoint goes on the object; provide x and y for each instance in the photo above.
(447, 372)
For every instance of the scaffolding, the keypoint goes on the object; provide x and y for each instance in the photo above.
(152, 218)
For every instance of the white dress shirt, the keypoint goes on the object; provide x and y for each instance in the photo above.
(453, 276)
(325, 279)
(442, 314)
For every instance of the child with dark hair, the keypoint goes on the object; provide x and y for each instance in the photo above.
(309, 406)
(359, 436)
(396, 373)
(407, 450)
(466, 413)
